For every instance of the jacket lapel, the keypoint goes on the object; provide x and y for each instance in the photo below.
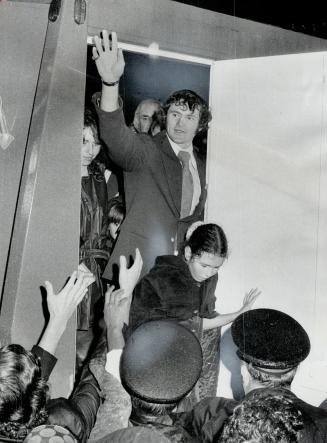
(172, 172)
(173, 175)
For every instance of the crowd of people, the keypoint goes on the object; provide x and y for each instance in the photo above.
(148, 333)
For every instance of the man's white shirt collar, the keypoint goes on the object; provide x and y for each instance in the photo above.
(176, 148)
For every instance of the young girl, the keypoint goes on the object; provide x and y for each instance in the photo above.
(116, 215)
(94, 250)
(182, 288)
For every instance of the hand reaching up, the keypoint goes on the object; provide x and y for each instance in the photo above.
(62, 305)
(128, 278)
(116, 308)
(116, 313)
(108, 58)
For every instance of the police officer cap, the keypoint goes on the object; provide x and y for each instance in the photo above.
(270, 339)
(161, 362)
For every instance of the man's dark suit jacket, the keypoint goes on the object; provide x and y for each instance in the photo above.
(206, 421)
(153, 188)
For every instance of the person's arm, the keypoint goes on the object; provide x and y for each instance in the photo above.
(61, 307)
(224, 319)
(116, 310)
(127, 149)
(118, 302)
(110, 64)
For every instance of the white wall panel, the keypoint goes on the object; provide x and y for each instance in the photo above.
(267, 188)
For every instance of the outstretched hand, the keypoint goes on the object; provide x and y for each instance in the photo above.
(108, 57)
(116, 308)
(62, 305)
(249, 299)
(128, 278)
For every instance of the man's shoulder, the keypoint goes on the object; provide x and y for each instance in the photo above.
(161, 142)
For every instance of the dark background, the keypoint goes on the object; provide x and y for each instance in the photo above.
(157, 78)
(308, 17)
(150, 77)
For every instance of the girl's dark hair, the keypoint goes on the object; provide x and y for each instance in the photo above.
(194, 101)
(208, 238)
(116, 210)
(23, 392)
(101, 162)
(90, 121)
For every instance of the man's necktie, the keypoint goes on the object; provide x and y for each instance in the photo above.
(187, 184)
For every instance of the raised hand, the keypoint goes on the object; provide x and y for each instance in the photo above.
(108, 57)
(128, 278)
(249, 299)
(116, 313)
(116, 308)
(62, 305)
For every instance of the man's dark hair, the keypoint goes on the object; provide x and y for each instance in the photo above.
(194, 101)
(144, 411)
(271, 379)
(265, 416)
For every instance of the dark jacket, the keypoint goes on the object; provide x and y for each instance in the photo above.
(169, 291)
(153, 188)
(207, 418)
(94, 251)
(78, 413)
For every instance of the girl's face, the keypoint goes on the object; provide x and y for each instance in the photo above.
(204, 266)
(113, 229)
(90, 149)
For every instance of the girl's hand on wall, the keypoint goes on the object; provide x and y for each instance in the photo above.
(249, 299)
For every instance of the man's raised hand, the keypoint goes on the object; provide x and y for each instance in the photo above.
(108, 57)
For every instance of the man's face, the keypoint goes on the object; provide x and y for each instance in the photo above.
(145, 115)
(182, 124)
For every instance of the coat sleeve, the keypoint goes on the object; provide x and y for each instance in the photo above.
(206, 420)
(208, 305)
(127, 149)
(47, 360)
(79, 412)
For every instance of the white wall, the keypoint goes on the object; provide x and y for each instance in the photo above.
(267, 188)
